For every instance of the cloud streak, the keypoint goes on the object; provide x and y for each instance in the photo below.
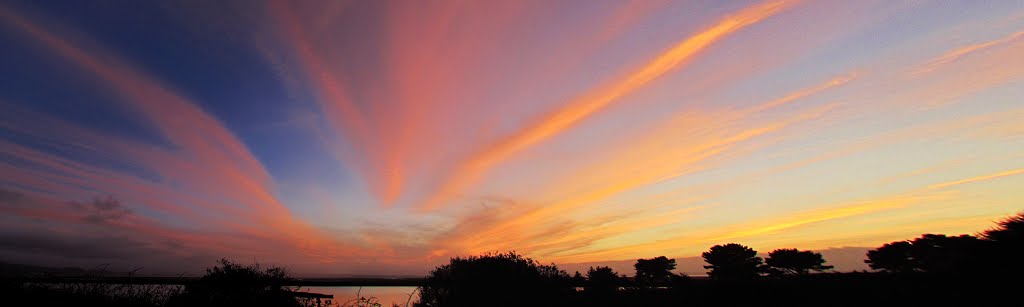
(556, 121)
(206, 156)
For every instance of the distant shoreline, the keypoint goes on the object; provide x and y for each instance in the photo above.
(303, 282)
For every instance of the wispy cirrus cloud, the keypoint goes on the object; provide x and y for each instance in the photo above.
(594, 100)
(204, 157)
(956, 54)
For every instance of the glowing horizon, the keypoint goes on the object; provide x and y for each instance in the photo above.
(385, 137)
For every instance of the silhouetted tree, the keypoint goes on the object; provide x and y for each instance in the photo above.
(654, 271)
(790, 261)
(892, 257)
(507, 279)
(931, 253)
(1009, 231)
(578, 279)
(602, 280)
(1008, 242)
(233, 284)
(940, 253)
(732, 262)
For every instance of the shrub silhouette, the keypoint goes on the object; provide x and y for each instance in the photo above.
(939, 253)
(732, 262)
(932, 253)
(84, 294)
(233, 284)
(1007, 242)
(507, 279)
(602, 281)
(790, 261)
(1009, 231)
(578, 279)
(654, 271)
(892, 257)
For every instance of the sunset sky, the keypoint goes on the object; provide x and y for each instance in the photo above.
(383, 137)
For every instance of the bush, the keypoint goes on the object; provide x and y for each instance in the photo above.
(603, 281)
(732, 262)
(233, 284)
(507, 279)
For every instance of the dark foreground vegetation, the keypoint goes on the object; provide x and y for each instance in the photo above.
(932, 270)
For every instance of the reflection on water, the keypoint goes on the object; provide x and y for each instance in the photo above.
(386, 296)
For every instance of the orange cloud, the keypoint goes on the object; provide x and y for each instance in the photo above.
(930, 193)
(587, 104)
(957, 54)
(633, 167)
(698, 241)
(838, 81)
(965, 71)
(1008, 173)
(623, 171)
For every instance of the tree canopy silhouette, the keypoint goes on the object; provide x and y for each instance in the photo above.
(1009, 231)
(931, 253)
(494, 279)
(892, 257)
(234, 284)
(790, 261)
(1008, 242)
(602, 280)
(655, 271)
(578, 279)
(732, 262)
(940, 253)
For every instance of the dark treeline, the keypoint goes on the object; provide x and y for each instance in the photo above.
(931, 270)
(935, 270)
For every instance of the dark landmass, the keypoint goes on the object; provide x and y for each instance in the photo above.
(931, 270)
(148, 280)
(12, 269)
(40, 274)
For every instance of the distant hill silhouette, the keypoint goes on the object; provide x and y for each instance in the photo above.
(845, 259)
(12, 269)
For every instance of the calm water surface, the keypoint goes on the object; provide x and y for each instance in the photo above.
(384, 295)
